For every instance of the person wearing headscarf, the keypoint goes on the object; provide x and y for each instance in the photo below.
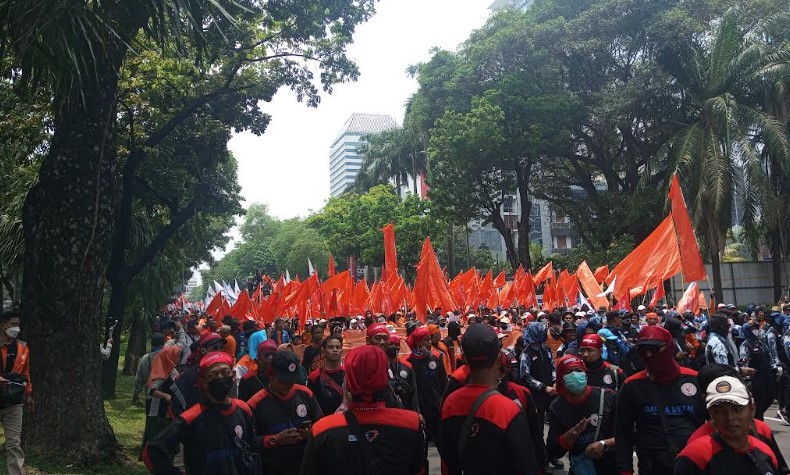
(663, 387)
(754, 354)
(536, 371)
(430, 377)
(164, 370)
(218, 435)
(368, 437)
(451, 347)
(581, 421)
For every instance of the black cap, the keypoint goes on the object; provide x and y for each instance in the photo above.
(285, 365)
(568, 326)
(480, 344)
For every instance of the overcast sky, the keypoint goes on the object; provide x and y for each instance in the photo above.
(288, 167)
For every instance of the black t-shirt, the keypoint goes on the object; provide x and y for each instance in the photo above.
(564, 415)
(710, 455)
(274, 415)
(431, 381)
(327, 387)
(311, 358)
(403, 384)
(216, 438)
(605, 375)
(498, 441)
(395, 437)
(251, 383)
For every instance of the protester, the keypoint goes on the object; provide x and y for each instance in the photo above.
(284, 413)
(657, 408)
(430, 378)
(312, 358)
(368, 438)
(278, 334)
(254, 381)
(218, 434)
(483, 431)
(451, 347)
(185, 389)
(581, 421)
(754, 354)
(600, 374)
(144, 369)
(730, 449)
(327, 382)
(230, 341)
(17, 389)
(254, 341)
(401, 377)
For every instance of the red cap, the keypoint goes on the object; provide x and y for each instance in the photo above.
(268, 346)
(210, 359)
(417, 336)
(565, 365)
(366, 371)
(208, 337)
(377, 329)
(394, 339)
(592, 341)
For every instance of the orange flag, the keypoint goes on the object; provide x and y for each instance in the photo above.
(215, 306)
(690, 257)
(360, 297)
(590, 286)
(486, 288)
(390, 254)
(601, 274)
(331, 271)
(658, 294)
(430, 286)
(499, 282)
(242, 307)
(546, 272)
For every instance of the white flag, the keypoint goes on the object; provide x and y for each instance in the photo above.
(310, 268)
(287, 276)
(583, 301)
(609, 289)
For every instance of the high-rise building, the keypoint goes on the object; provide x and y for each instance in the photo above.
(344, 158)
(500, 4)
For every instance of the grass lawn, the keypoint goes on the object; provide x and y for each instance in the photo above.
(128, 422)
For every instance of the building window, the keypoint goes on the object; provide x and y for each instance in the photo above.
(561, 218)
(562, 242)
(507, 205)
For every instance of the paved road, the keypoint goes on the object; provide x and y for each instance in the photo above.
(781, 433)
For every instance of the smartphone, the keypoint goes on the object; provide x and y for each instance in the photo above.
(306, 425)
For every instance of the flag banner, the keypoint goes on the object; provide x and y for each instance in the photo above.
(390, 253)
(690, 257)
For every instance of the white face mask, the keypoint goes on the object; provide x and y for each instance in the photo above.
(12, 332)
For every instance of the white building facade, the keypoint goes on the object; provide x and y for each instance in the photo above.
(345, 161)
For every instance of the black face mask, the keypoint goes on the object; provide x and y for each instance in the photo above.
(220, 388)
(392, 352)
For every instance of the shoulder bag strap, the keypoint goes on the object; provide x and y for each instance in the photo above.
(467, 426)
(600, 415)
(663, 416)
(356, 430)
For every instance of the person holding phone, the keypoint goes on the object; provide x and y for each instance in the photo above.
(284, 413)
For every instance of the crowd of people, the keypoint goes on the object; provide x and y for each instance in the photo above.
(504, 391)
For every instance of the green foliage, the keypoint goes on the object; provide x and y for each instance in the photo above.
(595, 256)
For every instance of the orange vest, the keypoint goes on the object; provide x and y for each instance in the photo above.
(21, 364)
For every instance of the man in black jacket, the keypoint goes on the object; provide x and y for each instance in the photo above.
(218, 434)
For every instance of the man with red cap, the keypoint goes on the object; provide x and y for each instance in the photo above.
(184, 390)
(218, 433)
(657, 408)
(581, 421)
(378, 335)
(401, 377)
(430, 377)
(600, 373)
(254, 381)
(368, 437)
(482, 431)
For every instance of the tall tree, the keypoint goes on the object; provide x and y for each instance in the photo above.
(79, 48)
(728, 128)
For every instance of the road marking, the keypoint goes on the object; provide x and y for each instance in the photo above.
(774, 419)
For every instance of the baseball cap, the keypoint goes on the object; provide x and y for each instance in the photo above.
(208, 339)
(504, 320)
(285, 365)
(721, 305)
(580, 314)
(653, 336)
(480, 343)
(727, 389)
(215, 357)
(268, 346)
(641, 307)
(601, 309)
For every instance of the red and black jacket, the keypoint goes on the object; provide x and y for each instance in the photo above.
(760, 430)
(403, 385)
(327, 386)
(251, 383)
(710, 455)
(498, 442)
(636, 408)
(431, 381)
(605, 375)
(209, 433)
(273, 415)
(395, 436)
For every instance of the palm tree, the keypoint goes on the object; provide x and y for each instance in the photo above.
(728, 129)
(391, 155)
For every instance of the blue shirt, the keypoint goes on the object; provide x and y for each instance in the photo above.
(256, 339)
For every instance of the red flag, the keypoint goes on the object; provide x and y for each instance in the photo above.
(545, 273)
(658, 294)
(390, 254)
(590, 286)
(601, 274)
(331, 265)
(690, 257)
(242, 307)
(430, 286)
(215, 305)
(499, 282)
(360, 297)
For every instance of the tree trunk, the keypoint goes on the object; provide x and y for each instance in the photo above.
(522, 180)
(715, 264)
(68, 222)
(507, 234)
(137, 345)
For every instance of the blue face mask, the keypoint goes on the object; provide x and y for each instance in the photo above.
(575, 382)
